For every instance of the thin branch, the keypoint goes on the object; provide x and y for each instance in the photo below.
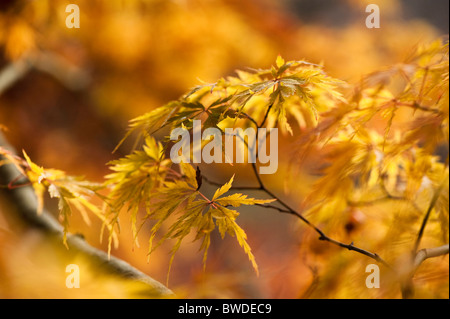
(281, 210)
(232, 187)
(23, 205)
(427, 215)
(266, 115)
(370, 202)
(288, 210)
(417, 106)
(250, 118)
(423, 85)
(255, 171)
(381, 200)
(324, 237)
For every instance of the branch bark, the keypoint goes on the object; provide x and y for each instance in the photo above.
(24, 203)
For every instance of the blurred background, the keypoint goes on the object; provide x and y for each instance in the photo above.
(72, 107)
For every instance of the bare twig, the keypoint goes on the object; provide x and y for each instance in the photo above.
(249, 118)
(233, 187)
(322, 235)
(288, 210)
(266, 115)
(427, 215)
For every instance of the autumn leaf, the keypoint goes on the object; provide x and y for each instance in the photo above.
(196, 213)
(73, 193)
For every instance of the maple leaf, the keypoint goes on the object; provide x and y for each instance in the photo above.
(133, 179)
(197, 213)
(71, 192)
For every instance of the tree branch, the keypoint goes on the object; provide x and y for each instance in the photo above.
(266, 115)
(288, 210)
(232, 187)
(417, 260)
(24, 203)
(69, 75)
(426, 253)
(12, 73)
(427, 215)
(292, 211)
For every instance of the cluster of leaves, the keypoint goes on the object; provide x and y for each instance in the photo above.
(71, 192)
(295, 89)
(364, 165)
(143, 178)
(147, 178)
(403, 160)
(265, 98)
(198, 212)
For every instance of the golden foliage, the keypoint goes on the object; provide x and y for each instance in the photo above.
(371, 144)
